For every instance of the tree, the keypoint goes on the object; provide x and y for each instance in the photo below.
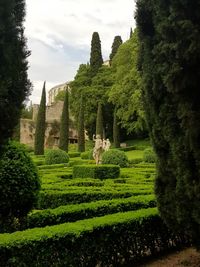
(126, 91)
(40, 125)
(96, 59)
(115, 46)
(169, 35)
(99, 121)
(116, 131)
(81, 128)
(64, 126)
(14, 84)
(131, 32)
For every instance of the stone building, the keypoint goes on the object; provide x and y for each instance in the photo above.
(53, 115)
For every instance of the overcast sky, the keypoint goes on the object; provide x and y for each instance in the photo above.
(59, 35)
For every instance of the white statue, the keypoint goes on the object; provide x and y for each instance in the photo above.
(98, 149)
(107, 145)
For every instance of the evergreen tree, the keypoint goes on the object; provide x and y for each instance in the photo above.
(99, 121)
(41, 125)
(131, 32)
(115, 46)
(81, 128)
(116, 131)
(14, 83)
(64, 126)
(96, 59)
(169, 35)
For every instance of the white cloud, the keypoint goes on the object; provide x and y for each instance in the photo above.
(59, 35)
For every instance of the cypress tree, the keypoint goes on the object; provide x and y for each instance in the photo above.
(115, 46)
(169, 59)
(96, 59)
(99, 121)
(64, 126)
(131, 32)
(14, 83)
(116, 130)
(40, 125)
(81, 128)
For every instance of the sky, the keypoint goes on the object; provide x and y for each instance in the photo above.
(59, 36)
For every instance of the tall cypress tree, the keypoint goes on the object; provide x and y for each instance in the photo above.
(115, 46)
(41, 125)
(169, 35)
(81, 128)
(99, 121)
(14, 83)
(96, 59)
(131, 32)
(64, 126)
(116, 131)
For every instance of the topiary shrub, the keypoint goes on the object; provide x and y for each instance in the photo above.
(56, 156)
(87, 155)
(19, 185)
(116, 157)
(149, 155)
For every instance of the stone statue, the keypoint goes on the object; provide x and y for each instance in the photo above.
(98, 149)
(107, 145)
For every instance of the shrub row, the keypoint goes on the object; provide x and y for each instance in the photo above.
(96, 171)
(74, 154)
(87, 155)
(52, 166)
(76, 212)
(113, 240)
(53, 199)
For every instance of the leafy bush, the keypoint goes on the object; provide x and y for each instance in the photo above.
(96, 171)
(87, 155)
(74, 154)
(116, 157)
(19, 183)
(56, 156)
(134, 235)
(149, 155)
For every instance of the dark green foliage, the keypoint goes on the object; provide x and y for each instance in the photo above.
(114, 156)
(56, 156)
(96, 171)
(116, 131)
(64, 124)
(111, 240)
(99, 121)
(131, 32)
(149, 155)
(96, 59)
(14, 83)
(72, 213)
(116, 44)
(74, 154)
(169, 34)
(87, 155)
(40, 125)
(81, 128)
(19, 184)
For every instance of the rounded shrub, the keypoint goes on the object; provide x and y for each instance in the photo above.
(19, 182)
(149, 156)
(116, 157)
(56, 156)
(87, 155)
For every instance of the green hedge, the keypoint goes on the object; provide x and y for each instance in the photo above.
(113, 240)
(87, 155)
(52, 166)
(96, 171)
(128, 148)
(54, 199)
(71, 213)
(74, 154)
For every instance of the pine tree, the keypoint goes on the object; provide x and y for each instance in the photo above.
(169, 35)
(14, 84)
(64, 126)
(41, 125)
(131, 32)
(96, 59)
(99, 121)
(116, 131)
(115, 46)
(81, 128)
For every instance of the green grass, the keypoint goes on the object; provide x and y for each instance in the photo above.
(134, 154)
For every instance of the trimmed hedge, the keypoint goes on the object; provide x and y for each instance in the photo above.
(74, 154)
(54, 199)
(149, 155)
(71, 213)
(56, 156)
(114, 240)
(87, 155)
(96, 171)
(114, 156)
